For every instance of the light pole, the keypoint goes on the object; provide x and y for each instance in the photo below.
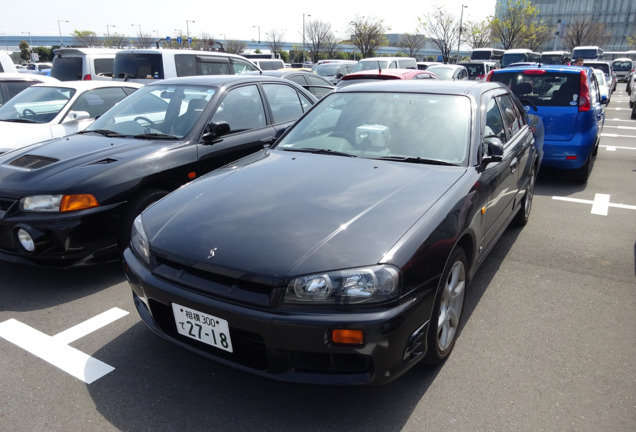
(259, 34)
(188, 31)
(304, 36)
(138, 25)
(59, 27)
(461, 17)
(107, 32)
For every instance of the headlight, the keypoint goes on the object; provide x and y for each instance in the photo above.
(58, 203)
(139, 241)
(362, 285)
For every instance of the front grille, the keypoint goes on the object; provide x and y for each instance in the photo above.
(215, 285)
(32, 161)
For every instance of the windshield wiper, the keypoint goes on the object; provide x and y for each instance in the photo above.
(105, 132)
(412, 159)
(155, 136)
(318, 151)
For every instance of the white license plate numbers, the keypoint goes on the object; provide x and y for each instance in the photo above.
(205, 328)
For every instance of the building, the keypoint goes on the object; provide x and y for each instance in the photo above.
(619, 17)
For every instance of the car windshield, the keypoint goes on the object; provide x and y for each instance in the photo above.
(168, 111)
(622, 66)
(542, 88)
(327, 69)
(36, 104)
(370, 65)
(405, 127)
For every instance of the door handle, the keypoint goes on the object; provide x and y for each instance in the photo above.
(513, 164)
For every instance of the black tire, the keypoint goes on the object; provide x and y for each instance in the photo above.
(523, 215)
(138, 204)
(447, 309)
(634, 113)
(582, 174)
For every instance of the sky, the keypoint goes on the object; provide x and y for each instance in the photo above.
(243, 20)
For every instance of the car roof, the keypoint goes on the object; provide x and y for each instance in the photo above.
(7, 76)
(467, 87)
(89, 84)
(546, 67)
(216, 80)
(395, 72)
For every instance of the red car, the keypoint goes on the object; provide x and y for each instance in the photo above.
(384, 74)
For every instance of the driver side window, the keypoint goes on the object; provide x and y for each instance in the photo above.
(494, 123)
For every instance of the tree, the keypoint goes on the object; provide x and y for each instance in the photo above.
(318, 32)
(274, 40)
(332, 47)
(440, 26)
(45, 54)
(477, 34)
(584, 30)
(144, 40)
(519, 26)
(25, 52)
(367, 34)
(115, 40)
(412, 43)
(86, 38)
(235, 47)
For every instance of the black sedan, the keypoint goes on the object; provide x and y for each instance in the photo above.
(341, 255)
(71, 201)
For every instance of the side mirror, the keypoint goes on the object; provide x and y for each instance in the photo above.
(213, 131)
(494, 150)
(74, 116)
(603, 99)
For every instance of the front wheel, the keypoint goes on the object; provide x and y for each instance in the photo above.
(448, 307)
(134, 208)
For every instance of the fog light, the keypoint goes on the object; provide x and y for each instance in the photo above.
(26, 241)
(347, 337)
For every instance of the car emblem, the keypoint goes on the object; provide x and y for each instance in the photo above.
(211, 254)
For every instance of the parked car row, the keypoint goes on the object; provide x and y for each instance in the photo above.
(290, 228)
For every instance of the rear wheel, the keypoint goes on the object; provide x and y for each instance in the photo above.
(523, 215)
(135, 207)
(582, 174)
(447, 310)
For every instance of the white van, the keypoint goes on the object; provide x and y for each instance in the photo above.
(6, 63)
(385, 63)
(75, 64)
(146, 65)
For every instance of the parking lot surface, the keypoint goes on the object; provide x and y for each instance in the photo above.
(548, 341)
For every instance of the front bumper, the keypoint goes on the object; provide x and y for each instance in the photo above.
(289, 344)
(62, 239)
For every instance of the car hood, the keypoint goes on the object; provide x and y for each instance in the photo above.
(289, 213)
(15, 135)
(61, 163)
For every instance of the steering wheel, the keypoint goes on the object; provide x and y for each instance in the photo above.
(28, 113)
(139, 119)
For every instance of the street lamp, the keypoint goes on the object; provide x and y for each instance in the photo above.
(107, 26)
(259, 34)
(304, 36)
(188, 31)
(461, 17)
(138, 25)
(60, 29)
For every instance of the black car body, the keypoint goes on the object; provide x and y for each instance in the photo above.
(71, 201)
(341, 255)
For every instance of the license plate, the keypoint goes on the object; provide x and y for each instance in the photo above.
(205, 328)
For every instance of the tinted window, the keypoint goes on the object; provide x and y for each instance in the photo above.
(190, 65)
(242, 109)
(622, 66)
(138, 65)
(67, 68)
(97, 102)
(284, 102)
(545, 89)
(474, 69)
(15, 87)
(494, 122)
(104, 66)
(509, 115)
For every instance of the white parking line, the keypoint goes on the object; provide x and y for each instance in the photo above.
(600, 205)
(55, 349)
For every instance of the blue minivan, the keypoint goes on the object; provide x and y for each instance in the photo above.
(568, 100)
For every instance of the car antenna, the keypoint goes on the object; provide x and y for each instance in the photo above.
(379, 66)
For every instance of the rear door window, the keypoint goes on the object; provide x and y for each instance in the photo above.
(104, 66)
(138, 65)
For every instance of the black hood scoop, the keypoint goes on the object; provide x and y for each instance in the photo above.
(32, 161)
